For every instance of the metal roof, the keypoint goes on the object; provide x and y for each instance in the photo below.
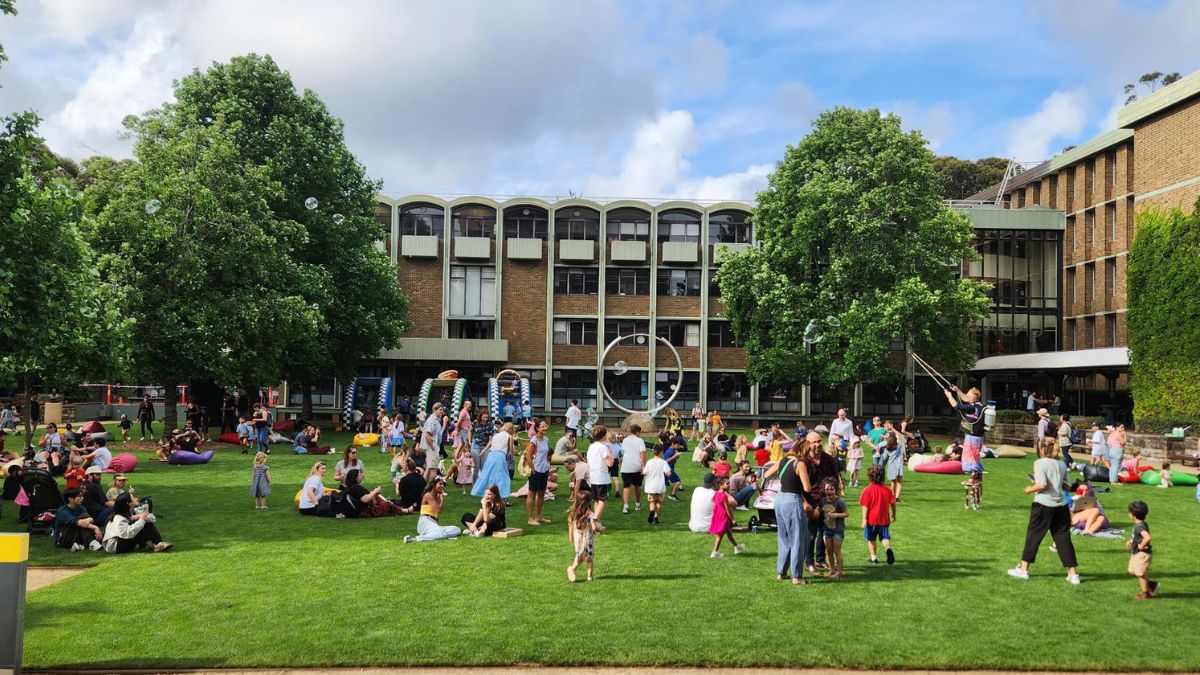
(1159, 101)
(1107, 358)
(1019, 180)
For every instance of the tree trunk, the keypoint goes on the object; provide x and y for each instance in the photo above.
(306, 412)
(28, 413)
(170, 413)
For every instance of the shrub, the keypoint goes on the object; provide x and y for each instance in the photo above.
(1009, 416)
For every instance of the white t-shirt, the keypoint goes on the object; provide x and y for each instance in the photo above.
(702, 510)
(1030, 403)
(102, 458)
(573, 415)
(843, 428)
(1099, 443)
(597, 467)
(315, 483)
(500, 441)
(633, 454)
(657, 470)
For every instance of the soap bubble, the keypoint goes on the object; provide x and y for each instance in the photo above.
(833, 321)
(658, 395)
(812, 334)
(311, 203)
(641, 339)
(674, 387)
(620, 368)
(153, 206)
(338, 218)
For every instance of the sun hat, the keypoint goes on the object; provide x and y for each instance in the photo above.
(1042, 412)
(93, 470)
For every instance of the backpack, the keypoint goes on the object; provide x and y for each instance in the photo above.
(1076, 436)
(331, 504)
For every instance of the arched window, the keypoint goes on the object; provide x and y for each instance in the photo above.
(422, 220)
(525, 222)
(679, 225)
(577, 222)
(730, 227)
(627, 224)
(474, 220)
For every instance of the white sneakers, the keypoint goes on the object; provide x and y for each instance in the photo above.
(716, 554)
(76, 548)
(737, 550)
(1074, 579)
(625, 509)
(94, 545)
(1018, 573)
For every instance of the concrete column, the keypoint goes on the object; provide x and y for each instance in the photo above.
(499, 262)
(550, 247)
(602, 261)
(858, 399)
(651, 343)
(704, 309)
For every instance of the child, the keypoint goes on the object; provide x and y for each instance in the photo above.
(466, 468)
(835, 513)
(118, 488)
(671, 455)
(74, 474)
(243, 432)
(722, 521)
(657, 472)
(126, 425)
(721, 467)
(877, 500)
(854, 459)
(1099, 447)
(1165, 475)
(1140, 551)
(260, 481)
(581, 530)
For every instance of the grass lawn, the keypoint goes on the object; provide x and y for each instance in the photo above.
(248, 588)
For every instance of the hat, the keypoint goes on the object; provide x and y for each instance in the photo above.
(1042, 412)
(118, 477)
(93, 470)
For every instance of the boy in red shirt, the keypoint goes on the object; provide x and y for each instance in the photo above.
(879, 511)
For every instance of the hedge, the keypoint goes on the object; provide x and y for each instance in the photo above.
(1163, 282)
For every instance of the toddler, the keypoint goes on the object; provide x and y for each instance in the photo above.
(1140, 551)
(1165, 475)
(465, 465)
(118, 488)
(260, 481)
(878, 511)
(74, 474)
(854, 457)
(243, 432)
(722, 520)
(125, 425)
(834, 514)
(581, 530)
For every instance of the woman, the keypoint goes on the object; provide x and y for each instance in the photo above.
(481, 437)
(791, 514)
(349, 462)
(1116, 451)
(431, 507)
(1063, 437)
(1088, 519)
(490, 518)
(128, 530)
(313, 490)
(463, 427)
(1049, 513)
(741, 447)
(697, 422)
(705, 451)
(496, 463)
(53, 445)
(364, 504)
(262, 427)
(674, 425)
(893, 461)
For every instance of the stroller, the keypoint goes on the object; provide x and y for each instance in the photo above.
(44, 498)
(592, 419)
(765, 502)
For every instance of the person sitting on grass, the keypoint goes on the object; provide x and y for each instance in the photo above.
(701, 511)
(1086, 518)
(97, 503)
(348, 463)
(100, 455)
(431, 507)
(73, 527)
(490, 519)
(313, 490)
(132, 528)
(742, 485)
(411, 487)
(364, 504)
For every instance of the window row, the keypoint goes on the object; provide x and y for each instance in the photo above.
(627, 281)
(726, 391)
(678, 333)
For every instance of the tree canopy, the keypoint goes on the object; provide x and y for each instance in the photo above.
(852, 226)
(962, 178)
(1151, 81)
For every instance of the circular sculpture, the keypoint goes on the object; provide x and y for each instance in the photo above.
(641, 338)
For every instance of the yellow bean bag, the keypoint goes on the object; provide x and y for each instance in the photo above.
(366, 439)
(296, 500)
(1010, 451)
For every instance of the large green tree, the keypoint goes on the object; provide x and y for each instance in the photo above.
(300, 145)
(962, 178)
(58, 325)
(1163, 277)
(852, 225)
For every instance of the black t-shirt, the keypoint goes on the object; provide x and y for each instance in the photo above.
(94, 498)
(146, 411)
(972, 418)
(412, 486)
(354, 495)
(788, 480)
(824, 467)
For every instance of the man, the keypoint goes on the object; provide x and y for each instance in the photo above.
(412, 487)
(145, 415)
(404, 409)
(537, 456)
(821, 466)
(73, 528)
(100, 457)
(431, 437)
(188, 439)
(510, 412)
(565, 447)
(228, 413)
(701, 511)
(633, 459)
(599, 461)
(742, 484)
(843, 426)
(970, 411)
(97, 503)
(1031, 401)
(579, 474)
(572, 416)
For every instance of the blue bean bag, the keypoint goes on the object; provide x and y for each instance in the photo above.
(185, 457)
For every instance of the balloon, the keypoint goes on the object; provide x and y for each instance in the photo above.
(311, 203)
(153, 206)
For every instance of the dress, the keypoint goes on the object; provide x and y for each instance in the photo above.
(720, 519)
(894, 462)
(585, 542)
(495, 468)
(466, 469)
(259, 487)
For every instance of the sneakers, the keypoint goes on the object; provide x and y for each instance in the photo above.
(1153, 589)
(650, 518)
(625, 509)
(891, 557)
(1054, 548)
(743, 508)
(76, 548)
(716, 554)
(637, 507)
(1074, 579)
(1018, 573)
(873, 560)
(94, 545)
(673, 498)
(737, 550)
(162, 546)
(408, 539)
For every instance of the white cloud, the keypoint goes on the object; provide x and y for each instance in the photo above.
(938, 123)
(736, 186)
(655, 161)
(1061, 115)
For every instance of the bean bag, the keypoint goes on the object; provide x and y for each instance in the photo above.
(1010, 451)
(1095, 473)
(91, 428)
(1180, 478)
(918, 460)
(102, 434)
(230, 437)
(185, 457)
(284, 426)
(950, 467)
(1127, 476)
(296, 500)
(366, 439)
(1149, 478)
(122, 463)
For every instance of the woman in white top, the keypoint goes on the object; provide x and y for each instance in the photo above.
(495, 464)
(348, 463)
(313, 490)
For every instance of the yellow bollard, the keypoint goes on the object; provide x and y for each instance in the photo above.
(14, 558)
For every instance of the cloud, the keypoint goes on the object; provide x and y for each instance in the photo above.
(1061, 116)
(655, 161)
(939, 123)
(736, 186)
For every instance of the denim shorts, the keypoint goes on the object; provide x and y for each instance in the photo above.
(873, 532)
(839, 535)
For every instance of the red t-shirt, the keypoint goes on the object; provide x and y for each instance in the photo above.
(74, 477)
(762, 456)
(877, 498)
(721, 469)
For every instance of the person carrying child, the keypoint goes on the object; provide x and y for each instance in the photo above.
(878, 513)
(834, 513)
(722, 520)
(1140, 551)
(260, 480)
(581, 531)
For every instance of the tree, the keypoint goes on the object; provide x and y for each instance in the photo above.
(962, 178)
(852, 226)
(292, 135)
(6, 7)
(1162, 277)
(1151, 81)
(207, 272)
(57, 325)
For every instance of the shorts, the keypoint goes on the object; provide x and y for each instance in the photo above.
(538, 481)
(631, 479)
(674, 479)
(600, 492)
(698, 425)
(839, 535)
(615, 469)
(1139, 564)
(1099, 452)
(873, 532)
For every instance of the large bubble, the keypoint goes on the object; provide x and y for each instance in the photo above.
(311, 203)
(658, 395)
(338, 218)
(153, 206)
(620, 368)
(812, 334)
(832, 321)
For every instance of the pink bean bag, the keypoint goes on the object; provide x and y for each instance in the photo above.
(92, 427)
(284, 426)
(230, 437)
(122, 463)
(951, 467)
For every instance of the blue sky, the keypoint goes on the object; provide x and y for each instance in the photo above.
(608, 98)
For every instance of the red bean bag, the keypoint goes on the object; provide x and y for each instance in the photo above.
(284, 426)
(92, 427)
(1133, 476)
(230, 437)
(950, 467)
(122, 463)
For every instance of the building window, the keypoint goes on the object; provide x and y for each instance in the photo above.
(1091, 332)
(627, 225)
(474, 221)
(1071, 285)
(666, 382)
(679, 333)
(1071, 333)
(573, 385)
(629, 389)
(575, 332)
(1089, 281)
(721, 335)
(1090, 178)
(472, 330)
(577, 223)
(422, 220)
(679, 225)
(322, 393)
(615, 328)
(1090, 218)
(714, 289)
(472, 291)
(1110, 218)
(627, 281)
(729, 392)
(730, 227)
(1110, 160)
(1112, 330)
(1037, 193)
(678, 282)
(525, 222)
(577, 281)
(1110, 275)
(1070, 233)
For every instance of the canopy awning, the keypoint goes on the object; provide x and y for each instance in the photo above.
(1108, 358)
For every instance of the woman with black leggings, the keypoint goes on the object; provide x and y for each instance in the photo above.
(145, 416)
(1049, 513)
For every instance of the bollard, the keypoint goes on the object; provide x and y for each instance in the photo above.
(14, 557)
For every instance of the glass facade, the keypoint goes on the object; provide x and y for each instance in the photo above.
(1023, 268)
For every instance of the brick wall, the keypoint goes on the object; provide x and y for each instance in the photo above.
(524, 301)
(1168, 151)
(726, 357)
(421, 280)
(575, 355)
(634, 357)
(678, 306)
(690, 356)
(716, 307)
(587, 305)
(627, 305)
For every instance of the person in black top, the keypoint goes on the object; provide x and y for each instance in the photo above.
(791, 517)
(821, 467)
(98, 505)
(363, 504)
(229, 414)
(145, 415)
(188, 439)
(412, 487)
(490, 518)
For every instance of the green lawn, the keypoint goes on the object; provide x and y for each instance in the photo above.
(248, 588)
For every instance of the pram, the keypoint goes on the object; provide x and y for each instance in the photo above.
(44, 497)
(592, 419)
(765, 502)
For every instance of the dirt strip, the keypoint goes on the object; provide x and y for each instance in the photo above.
(41, 577)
